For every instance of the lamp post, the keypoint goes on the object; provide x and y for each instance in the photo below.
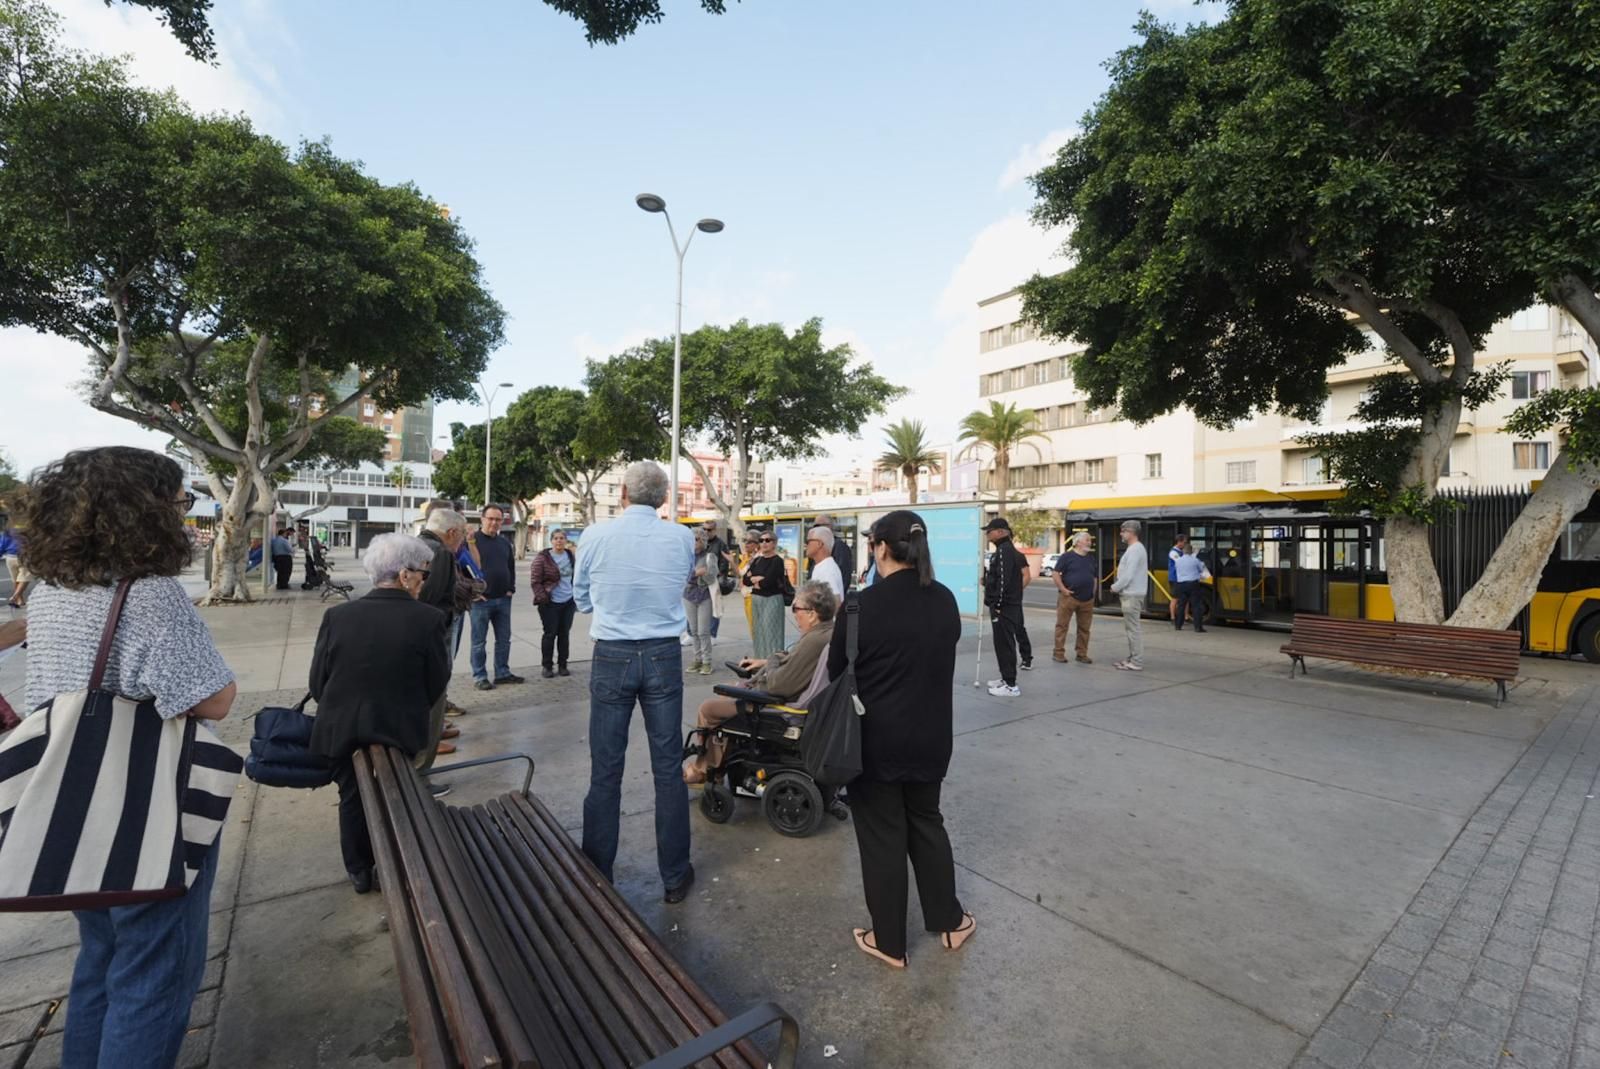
(488, 435)
(652, 203)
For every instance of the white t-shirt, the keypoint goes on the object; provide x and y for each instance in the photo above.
(827, 571)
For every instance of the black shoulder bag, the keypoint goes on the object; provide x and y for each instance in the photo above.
(830, 746)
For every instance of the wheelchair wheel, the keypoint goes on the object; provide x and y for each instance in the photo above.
(793, 804)
(716, 803)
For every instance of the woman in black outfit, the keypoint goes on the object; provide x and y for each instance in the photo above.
(768, 579)
(907, 632)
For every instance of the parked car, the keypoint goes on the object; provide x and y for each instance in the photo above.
(1048, 567)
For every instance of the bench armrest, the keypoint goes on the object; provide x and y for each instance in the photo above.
(527, 781)
(745, 694)
(727, 1034)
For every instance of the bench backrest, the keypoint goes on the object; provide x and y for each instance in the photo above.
(543, 963)
(1468, 650)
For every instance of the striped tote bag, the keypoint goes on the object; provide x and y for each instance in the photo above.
(105, 803)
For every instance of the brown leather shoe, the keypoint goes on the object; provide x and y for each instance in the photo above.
(450, 732)
(452, 709)
(445, 748)
(1085, 660)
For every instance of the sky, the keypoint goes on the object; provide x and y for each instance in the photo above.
(870, 162)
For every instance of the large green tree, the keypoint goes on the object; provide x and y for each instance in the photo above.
(906, 453)
(750, 391)
(214, 276)
(1001, 430)
(1246, 193)
(520, 470)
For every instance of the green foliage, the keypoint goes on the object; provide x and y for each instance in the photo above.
(188, 21)
(1575, 414)
(520, 470)
(8, 475)
(1027, 525)
(907, 449)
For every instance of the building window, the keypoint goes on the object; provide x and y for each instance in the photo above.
(1019, 377)
(1526, 384)
(1094, 471)
(1241, 472)
(1069, 472)
(1152, 465)
(1313, 470)
(1444, 467)
(1530, 456)
(1535, 318)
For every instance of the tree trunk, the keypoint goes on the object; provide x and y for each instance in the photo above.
(740, 491)
(1577, 296)
(1413, 576)
(911, 485)
(1512, 576)
(1002, 479)
(231, 547)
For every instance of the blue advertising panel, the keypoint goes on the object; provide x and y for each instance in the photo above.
(957, 546)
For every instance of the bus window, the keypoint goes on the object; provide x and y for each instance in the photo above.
(1582, 542)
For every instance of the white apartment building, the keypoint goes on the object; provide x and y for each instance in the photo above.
(1089, 454)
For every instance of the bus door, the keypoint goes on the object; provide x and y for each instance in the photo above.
(1232, 572)
(1310, 588)
(1158, 538)
(1343, 564)
(1272, 558)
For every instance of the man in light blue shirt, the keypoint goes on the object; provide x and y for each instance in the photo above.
(1188, 570)
(630, 575)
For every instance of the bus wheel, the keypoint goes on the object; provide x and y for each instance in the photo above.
(1589, 639)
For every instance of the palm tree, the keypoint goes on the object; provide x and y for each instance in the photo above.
(908, 452)
(399, 475)
(1002, 429)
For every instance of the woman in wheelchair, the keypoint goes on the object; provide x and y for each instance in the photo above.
(787, 675)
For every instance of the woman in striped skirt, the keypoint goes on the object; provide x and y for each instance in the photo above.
(768, 580)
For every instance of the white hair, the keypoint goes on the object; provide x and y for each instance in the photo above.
(443, 521)
(388, 554)
(1081, 536)
(646, 483)
(823, 535)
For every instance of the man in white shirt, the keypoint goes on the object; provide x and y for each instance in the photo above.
(824, 569)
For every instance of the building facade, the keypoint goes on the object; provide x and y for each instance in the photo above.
(1086, 453)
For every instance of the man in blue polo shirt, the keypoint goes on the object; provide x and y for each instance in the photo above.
(1189, 569)
(630, 575)
(1077, 577)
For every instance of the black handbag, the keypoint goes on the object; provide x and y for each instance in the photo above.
(280, 749)
(830, 746)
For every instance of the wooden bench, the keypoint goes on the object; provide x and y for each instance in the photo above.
(1456, 651)
(512, 949)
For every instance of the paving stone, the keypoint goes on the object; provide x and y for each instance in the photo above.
(1390, 981)
(1528, 1053)
(1364, 996)
(1569, 966)
(1553, 1031)
(46, 1053)
(1426, 1010)
(1499, 972)
(1440, 962)
(213, 974)
(204, 1010)
(1397, 958)
(19, 1025)
(196, 1050)
(1438, 985)
(1388, 1054)
(1335, 1051)
(1492, 994)
(1409, 1033)
(1357, 1025)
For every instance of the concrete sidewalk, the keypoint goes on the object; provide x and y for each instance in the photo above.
(1189, 867)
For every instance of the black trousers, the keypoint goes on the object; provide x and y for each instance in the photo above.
(1191, 593)
(894, 821)
(285, 568)
(354, 840)
(557, 638)
(1010, 637)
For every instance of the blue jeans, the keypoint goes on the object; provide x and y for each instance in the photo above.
(137, 973)
(649, 672)
(498, 612)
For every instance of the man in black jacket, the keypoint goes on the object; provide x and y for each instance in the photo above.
(1002, 593)
(444, 532)
(497, 561)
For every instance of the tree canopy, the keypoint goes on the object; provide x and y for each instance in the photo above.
(906, 452)
(230, 293)
(1247, 192)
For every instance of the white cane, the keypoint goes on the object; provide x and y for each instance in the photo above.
(977, 662)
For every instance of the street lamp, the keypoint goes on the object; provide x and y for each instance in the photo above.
(488, 434)
(652, 203)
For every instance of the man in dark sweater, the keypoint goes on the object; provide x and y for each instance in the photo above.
(1002, 593)
(1077, 578)
(496, 559)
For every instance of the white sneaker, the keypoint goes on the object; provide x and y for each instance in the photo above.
(1000, 690)
(686, 639)
(995, 683)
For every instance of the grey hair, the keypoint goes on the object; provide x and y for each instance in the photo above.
(388, 554)
(1131, 525)
(823, 535)
(646, 483)
(1082, 536)
(819, 596)
(443, 521)
(825, 520)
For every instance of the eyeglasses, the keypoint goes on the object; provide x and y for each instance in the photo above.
(768, 541)
(802, 608)
(187, 501)
(424, 572)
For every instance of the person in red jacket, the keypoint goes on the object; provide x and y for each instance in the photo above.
(551, 580)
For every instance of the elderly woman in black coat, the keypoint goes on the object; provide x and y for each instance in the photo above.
(378, 668)
(907, 632)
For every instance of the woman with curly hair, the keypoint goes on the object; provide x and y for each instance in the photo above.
(94, 518)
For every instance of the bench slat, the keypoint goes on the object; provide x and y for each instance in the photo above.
(1461, 651)
(576, 988)
(471, 1035)
(429, 1037)
(695, 1006)
(631, 978)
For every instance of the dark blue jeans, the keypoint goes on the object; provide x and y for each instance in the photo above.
(648, 672)
(498, 612)
(137, 973)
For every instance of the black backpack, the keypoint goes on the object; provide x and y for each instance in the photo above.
(830, 746)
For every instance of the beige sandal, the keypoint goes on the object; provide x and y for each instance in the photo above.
(871, 950)
(953, 940)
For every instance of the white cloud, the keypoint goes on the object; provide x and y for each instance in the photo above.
(241, 81)
(45, 413)
(1030, 159)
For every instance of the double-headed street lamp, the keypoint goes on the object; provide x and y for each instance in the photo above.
(488, 435)
(652, 203)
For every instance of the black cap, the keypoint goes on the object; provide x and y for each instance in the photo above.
(999, 523)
